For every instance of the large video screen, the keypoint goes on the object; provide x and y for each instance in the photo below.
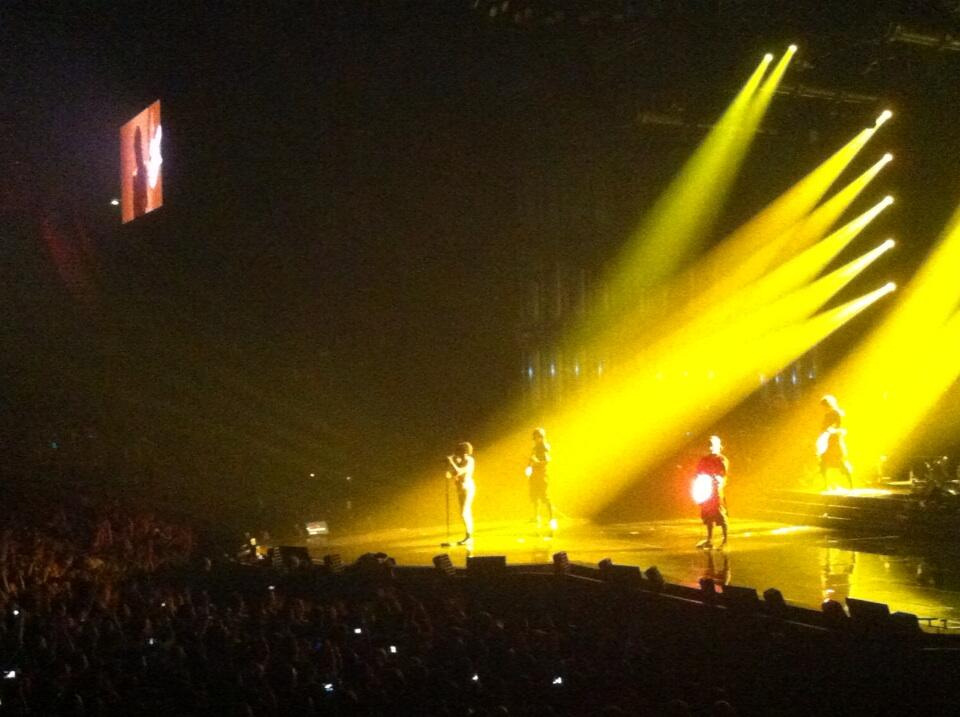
(141, 178)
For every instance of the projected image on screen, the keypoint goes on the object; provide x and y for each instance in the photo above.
(140, 164)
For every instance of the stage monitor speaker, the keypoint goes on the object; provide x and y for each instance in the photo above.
(868, 613)
(487, 566)
(624, 575)
(561, 563)
(905, 623)
(654, 578)
(289, 556)
(444, 565)
(740, 598)
(773, 601)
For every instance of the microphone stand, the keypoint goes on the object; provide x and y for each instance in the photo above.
(446, 501)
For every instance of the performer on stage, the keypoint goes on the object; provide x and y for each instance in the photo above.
(831, 443)
(463, 465)
(713, 510)
(537, 477)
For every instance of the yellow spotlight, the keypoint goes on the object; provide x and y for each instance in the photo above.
(876, 252)
(889, 243)
(858, 265)
(887, 201)
(887, 158)
(680, 219)
(792, 48)
(852, 308)
(768, 57)
(749, 253)
(884, 116)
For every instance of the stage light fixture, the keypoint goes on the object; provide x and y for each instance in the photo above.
(884, 116)
(887, 158)
(768, 57)
(792, 48)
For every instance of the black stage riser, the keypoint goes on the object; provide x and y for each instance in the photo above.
(893, 514)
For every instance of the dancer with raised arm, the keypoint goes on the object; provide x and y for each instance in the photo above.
(462, 466)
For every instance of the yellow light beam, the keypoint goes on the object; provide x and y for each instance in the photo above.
(808, 299)
(796, 340)
(761, 101)
(819, 221)
(772, 352)
(682, 214)
(767, 296)
(744, 322)
(901, 404)
(888, 382)
(628, 425)
(889, 370)
(789, 276)
(614, 434)
(787, 210)
(744, 256)
(612, 423)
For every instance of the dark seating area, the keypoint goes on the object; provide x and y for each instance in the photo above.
(110, 609)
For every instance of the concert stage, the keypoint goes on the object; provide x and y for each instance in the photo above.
(807, 563)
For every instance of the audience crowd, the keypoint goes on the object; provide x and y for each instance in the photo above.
(109, 609)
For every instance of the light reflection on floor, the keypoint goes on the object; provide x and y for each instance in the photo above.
(805, 563)
(863, 492)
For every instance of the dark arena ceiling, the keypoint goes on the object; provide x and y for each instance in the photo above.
(851, 52)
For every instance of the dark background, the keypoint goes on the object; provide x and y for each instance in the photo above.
(355, 193)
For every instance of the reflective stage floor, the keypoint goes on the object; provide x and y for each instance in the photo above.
(807, 564)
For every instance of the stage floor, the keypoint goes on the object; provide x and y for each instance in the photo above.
(807, 564)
